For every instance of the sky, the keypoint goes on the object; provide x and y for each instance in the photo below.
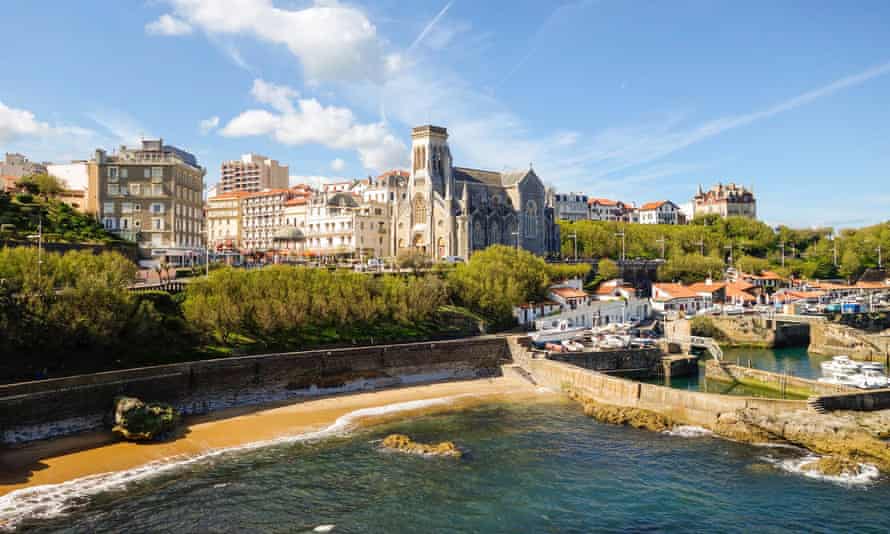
(632, 100)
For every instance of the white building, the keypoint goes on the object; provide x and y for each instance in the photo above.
(569, 206)
(568, 302)
(659, 212)
(678, 298)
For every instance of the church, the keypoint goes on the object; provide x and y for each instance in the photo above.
(455, 211)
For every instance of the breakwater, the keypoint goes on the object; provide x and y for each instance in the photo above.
(792, 385)
(48, 408)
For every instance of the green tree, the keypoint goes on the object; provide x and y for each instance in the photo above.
(690, 268)
(607, 269)
(851, 265)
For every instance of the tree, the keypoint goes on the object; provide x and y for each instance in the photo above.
(690, 268)
(47, 185)
(752, 265)
(851, 265)
(413, 259)
(607, 270)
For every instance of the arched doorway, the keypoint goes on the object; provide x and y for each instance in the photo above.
(440, 247)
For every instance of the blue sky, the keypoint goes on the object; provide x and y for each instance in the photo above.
(632, 100)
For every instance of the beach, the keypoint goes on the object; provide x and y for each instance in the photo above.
(60, 460)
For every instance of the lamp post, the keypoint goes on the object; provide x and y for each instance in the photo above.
(574, 238)
(622, 235)
(880, 262)
(517, 239)
(662, 241)
(782, 248)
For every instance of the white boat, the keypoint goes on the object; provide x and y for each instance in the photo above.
(560, 333)
(573, 346)
(839, 364)
(872, 366)
(870, 379)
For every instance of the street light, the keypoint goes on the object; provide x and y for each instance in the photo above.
(622, 235)
(574, 238)
(517, 238)
(782, 247)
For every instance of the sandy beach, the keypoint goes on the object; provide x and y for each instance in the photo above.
(64, 459)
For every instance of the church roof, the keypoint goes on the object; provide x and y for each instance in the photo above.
(490, 178)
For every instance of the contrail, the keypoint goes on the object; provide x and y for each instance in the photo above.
(429, 26)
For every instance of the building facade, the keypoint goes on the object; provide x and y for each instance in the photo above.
(726, 201)
(569, 206)
(223, 215)
(252, 173)
(17, 165)
(455, 211)
(262, 216)
(604, 209)
(660, 212)
(152, 195)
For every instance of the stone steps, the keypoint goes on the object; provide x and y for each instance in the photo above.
(815, 404)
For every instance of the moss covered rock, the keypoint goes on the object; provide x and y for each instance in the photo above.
(135, 420)
(402, 443)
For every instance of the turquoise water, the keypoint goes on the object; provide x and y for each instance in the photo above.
(793, 361)
(528, 468)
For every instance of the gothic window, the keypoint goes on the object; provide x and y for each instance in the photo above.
(419, 209)
(478, 235)
(494, 233)
(531, 219)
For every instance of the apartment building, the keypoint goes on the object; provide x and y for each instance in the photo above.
(152, 195)
(569, 206)
(604, 209)
(262, 215)
(340, 223)
(252, 173)
(224, 221)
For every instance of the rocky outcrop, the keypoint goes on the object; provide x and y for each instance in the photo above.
(834, 466)
(623, 415)
(135, 420)
(840, 437)
(402, 443)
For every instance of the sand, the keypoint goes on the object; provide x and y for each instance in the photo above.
(63, 459)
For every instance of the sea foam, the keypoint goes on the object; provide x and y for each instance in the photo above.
(866, 473)
(689, 431)
(52, 500)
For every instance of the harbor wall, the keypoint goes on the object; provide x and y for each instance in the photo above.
(832, 338)
(643, 360)
(728, 372)
(689, 407)
(48, 408)
(858, 401)
(756, 331)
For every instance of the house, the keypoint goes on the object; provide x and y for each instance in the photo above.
(604, 209)
(679, 298)
(659, 212)
(738, 293)
(766, 280)
(568, 302)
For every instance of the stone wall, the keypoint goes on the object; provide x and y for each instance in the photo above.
(727, 372)
(36, 410)
(859, 401)
(613, 360)
(684, 406)
(831, 338)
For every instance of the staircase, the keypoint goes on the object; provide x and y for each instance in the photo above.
(815, 404)
(521, 372)
(706, 343)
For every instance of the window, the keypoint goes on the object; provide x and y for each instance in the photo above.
(157, 174)
(135, 189)
(108, 223)
(157, 223)
(125, 223)
(157, 240)
(112, 174)
(157, 190)
(157, 207)
(137, 207)
(108, 207)
(113, 189)
(124, 172)
(127, 207)
(146, 172)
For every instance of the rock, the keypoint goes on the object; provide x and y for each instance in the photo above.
(135, 420)
(402, 443)
(833, 466)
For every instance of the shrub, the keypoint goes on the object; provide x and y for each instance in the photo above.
(24, 198)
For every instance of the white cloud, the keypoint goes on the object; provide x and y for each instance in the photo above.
(16, 123)
(168, 25)
(280, 97)
(208, 125)
(332, 42)
(311, 122)
(338, 165)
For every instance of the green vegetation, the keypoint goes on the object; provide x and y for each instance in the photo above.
(753, 245)
(22, 215)
(690, 268)
(705, 327)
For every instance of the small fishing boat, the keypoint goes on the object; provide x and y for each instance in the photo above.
(559, 333)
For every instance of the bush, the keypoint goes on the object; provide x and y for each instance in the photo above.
(24, 198)
(705, 327)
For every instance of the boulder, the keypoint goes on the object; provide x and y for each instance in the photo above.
(402, 443)
(135, 420)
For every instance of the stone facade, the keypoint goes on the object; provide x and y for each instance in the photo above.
(726, 201)
(455, 211)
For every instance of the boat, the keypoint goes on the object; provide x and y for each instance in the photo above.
(839, 364)
(561, 332)
(573, 346)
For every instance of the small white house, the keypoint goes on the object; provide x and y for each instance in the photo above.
(679, 298)
(568, 302)
(659, 212)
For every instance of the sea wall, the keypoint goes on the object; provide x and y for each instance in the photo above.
(680, 405)
(727, 372)
(832, 338)
(755, 331)
(41, 409)
(647, 360)
(858, 401)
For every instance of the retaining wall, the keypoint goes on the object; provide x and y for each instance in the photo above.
(727, 372)
(613, 360)
(46, 408)
(690, 407)
(831, 338)
(860, 401)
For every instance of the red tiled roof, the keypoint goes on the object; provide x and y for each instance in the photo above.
(739, 290)
(603, 202)
(654, 205)
(230, 194)
(676, 291)
(704, 287)
(396, 172)
(568, 292)
(298, 201)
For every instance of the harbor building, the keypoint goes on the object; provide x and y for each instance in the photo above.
(455, 211)
(726, 201)
(252, 173)
(152, 195)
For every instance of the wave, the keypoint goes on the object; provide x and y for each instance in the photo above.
(53, 500)
(688, 431)
(865, 474)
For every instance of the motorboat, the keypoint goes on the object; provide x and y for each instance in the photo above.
(573, 346)
(870, 379)
(561, 332)
(872, 366)
(839, 364)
